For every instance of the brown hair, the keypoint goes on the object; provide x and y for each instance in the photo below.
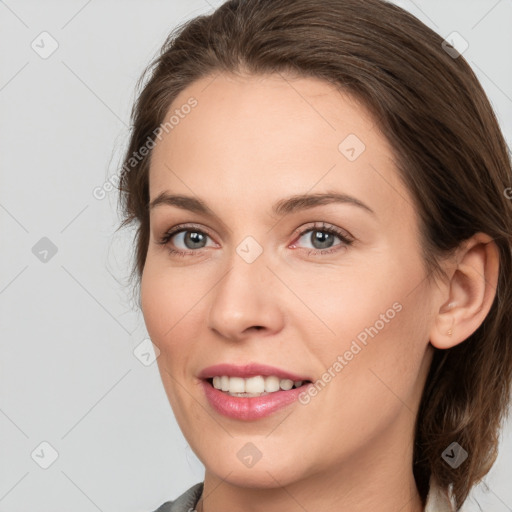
(449, 152)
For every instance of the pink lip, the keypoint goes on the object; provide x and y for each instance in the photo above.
(249, 408)
(247, 370)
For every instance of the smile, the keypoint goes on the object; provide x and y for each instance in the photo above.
(252, 391)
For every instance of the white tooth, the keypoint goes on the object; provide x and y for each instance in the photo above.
(255, 384)
(224, 383)
(271, 384)
(236, 385)
(286, 384)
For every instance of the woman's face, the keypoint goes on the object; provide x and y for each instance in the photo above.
(331, 291)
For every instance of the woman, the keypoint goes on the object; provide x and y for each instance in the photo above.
(324, 257)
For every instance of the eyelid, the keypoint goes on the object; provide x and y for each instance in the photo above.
(324, 226)
(346, 238)
(179, 228)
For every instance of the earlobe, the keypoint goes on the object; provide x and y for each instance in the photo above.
(469, 293)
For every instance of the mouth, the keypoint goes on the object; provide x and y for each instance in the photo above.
(251, 391)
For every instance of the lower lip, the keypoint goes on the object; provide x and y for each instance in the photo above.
(249, 408)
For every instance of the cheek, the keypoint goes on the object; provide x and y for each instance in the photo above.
(171, 314)
(352, 301)
(371, 328)
(168, 300)
(165, 303)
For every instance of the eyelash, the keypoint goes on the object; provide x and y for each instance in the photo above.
(325, 228)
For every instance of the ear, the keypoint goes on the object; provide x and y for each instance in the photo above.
(468, 296)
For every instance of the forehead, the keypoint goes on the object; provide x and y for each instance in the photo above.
(250, 140)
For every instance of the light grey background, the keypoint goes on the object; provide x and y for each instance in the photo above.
(69, 376)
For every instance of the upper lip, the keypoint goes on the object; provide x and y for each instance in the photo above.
(248, 370)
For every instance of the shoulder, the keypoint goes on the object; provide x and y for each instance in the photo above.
(184, 503)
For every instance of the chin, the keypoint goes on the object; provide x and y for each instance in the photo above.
(267, 472)
(265, 476)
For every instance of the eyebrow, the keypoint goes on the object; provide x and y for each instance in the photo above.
(280, 208)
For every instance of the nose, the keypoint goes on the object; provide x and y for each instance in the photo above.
(246, 301)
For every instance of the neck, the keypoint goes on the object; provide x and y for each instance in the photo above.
(366, 482)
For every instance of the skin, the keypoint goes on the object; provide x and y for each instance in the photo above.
(250, 142)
